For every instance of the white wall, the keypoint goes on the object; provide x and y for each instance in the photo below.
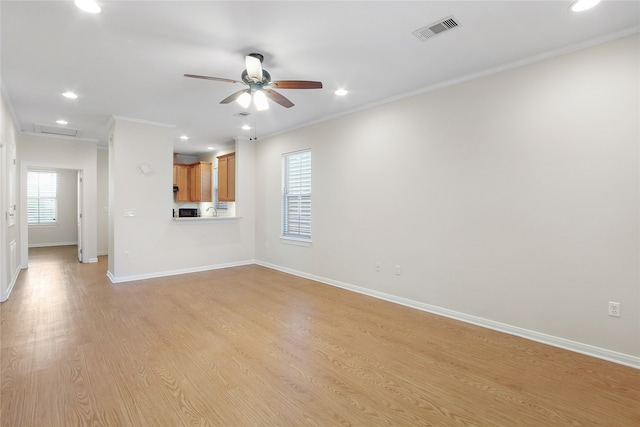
(36, 151)
(512, 199)
(65, 231)
(151, 243)
(10, 244)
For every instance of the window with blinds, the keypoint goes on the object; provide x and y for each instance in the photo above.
(42, 188)
(296, 195)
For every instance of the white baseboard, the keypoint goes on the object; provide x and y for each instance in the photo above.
(46, 245)
(589, 350)
(123, 279)
(5, 297)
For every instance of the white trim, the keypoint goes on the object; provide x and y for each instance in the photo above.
(469, 77)
(141, 121)
(589, 350)
(295, 241)
(16, 274)
(154, 275)
(9, 104)
(46, 245)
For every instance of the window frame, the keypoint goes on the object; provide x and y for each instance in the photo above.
(303, 232)
(41, 219)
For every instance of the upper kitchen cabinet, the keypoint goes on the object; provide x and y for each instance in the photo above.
(181, 180)
(200, 182)
(227, 178)
(193, 182)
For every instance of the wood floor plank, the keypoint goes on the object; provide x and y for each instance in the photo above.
(249, 346)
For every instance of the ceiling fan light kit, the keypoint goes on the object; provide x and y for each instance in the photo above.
(244, 99)
(582, 5)
(260, 101)
(89, 6)
(260, 85)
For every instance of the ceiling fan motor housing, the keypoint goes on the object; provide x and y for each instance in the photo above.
(257, 55)
(266, 78)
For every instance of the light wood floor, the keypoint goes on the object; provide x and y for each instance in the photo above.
(249, 346)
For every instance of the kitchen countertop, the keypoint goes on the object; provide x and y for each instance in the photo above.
(206, 219)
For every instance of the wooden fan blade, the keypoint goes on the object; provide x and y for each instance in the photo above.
(297, 84)
(234, 96)
(276, 97)
(219, 79)
(254, 68)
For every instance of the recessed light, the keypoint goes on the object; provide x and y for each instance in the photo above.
(209, 148)
(246, 127)
(582, 5)
(62, 122)
(341, 92)
(89, 6)
(70, 95)
(184, 137)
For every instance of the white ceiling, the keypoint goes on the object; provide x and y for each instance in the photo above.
(130, 59)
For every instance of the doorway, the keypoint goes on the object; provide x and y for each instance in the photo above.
(57, 221)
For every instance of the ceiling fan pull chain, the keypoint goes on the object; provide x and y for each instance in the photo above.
(255, 129)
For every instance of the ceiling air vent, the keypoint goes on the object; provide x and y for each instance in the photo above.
(432, 30)
(55, 130)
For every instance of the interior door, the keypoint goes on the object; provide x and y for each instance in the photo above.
(79, 216)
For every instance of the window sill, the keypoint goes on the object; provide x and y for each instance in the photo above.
(296, 242)
(55, 224)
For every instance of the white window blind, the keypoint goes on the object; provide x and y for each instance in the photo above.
(42, 187)
(296, 195)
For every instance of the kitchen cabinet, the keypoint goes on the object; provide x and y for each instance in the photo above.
(227, 178)
(200, 182)
(181, 180)
(193, 182)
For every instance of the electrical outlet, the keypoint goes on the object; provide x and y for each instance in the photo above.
(378, 266)
(398, 270)
(127, 255)
(614, 309)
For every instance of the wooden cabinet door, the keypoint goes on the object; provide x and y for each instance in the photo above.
(200, 182)
(206, 181)
(223, 194)
(227, 178)
(194, 183)
(181, 174)
(231, 179)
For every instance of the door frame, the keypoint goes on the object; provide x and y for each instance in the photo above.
(24, 226)
(79, 216)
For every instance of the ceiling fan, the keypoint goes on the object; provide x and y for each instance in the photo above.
(261, 88)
